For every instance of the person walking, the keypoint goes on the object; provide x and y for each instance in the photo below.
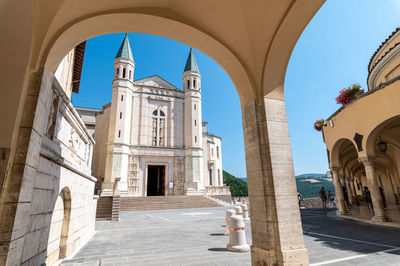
(322, 195)
(330, 199)
(346, 198)
(367, 198)
(299, 197)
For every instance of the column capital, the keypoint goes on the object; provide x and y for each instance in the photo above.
(335, 169)
(367, 160)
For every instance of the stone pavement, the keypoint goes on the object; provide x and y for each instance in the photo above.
(195, 237)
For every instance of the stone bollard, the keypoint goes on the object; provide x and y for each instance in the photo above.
(245, 212)
(229, 214)
(237, 236)
(238, 210)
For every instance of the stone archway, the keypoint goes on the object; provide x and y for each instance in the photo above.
(255, 57)
(57, 247)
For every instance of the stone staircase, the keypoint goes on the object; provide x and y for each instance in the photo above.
(166, 202)
(104, 208)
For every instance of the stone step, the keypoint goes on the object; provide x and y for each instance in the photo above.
(104, 208)
(165, 202)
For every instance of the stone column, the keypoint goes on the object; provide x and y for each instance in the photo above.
(277, 234)
(353, 189)
(372, 184)
(349, 190)
(338, 190)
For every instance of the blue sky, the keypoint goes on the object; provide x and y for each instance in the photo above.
(332, 53)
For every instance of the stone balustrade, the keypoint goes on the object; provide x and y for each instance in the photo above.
(218, 190)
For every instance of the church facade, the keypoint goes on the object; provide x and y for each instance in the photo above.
(151, 138)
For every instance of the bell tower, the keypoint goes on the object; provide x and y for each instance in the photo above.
(119, 131)
(193, 127)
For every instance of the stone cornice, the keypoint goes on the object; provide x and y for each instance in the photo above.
(380, 64)
(381, 47)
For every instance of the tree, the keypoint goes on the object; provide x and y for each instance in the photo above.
(238, 186)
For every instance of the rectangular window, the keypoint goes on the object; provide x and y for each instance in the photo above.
(195, 122)
(123, 73)
(122, 98)
(119, 133)
(117, 72)
(195, 139)
(194, 107)
(120, 115)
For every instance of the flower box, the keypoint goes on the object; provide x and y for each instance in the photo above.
(347, 95)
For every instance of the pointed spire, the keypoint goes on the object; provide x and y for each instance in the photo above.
(125, 49)
(191, 64)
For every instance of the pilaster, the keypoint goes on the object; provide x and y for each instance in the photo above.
(276, 226)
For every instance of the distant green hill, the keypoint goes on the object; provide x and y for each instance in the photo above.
(309, 175)
(238, 186)
(311, 187)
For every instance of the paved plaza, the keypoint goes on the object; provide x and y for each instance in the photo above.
(195, 237)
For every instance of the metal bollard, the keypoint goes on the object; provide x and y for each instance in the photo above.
(238, 210)
(237, 236)
(229, 214)
(245, 212)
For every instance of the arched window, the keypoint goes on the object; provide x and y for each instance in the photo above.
(158, 134)
(130, 74)
(218, 152)
(194, 84)
(123, 73)
(122, 98)
(188, 84)
(117, 75)
(211, 177)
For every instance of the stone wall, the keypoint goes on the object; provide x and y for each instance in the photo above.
(56, 210)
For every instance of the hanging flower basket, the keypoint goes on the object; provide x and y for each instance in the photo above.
(347, 95)
(319, 124)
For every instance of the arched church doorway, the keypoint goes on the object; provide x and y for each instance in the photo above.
(156, 180)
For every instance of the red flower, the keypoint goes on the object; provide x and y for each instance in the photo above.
(347, 95)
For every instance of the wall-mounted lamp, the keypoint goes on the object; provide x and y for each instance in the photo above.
(382, 146)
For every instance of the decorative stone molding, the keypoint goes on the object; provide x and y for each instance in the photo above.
(133, 177)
